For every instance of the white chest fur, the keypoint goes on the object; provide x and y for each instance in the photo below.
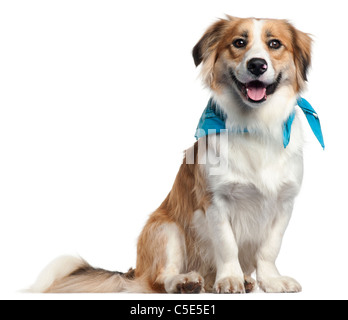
(253, 182)
(247, 159)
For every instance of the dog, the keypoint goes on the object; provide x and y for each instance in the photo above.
(233, 196)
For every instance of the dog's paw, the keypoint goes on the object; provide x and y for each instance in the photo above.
(186, 283)
(280, 285)
(230, 285)
(249, 284)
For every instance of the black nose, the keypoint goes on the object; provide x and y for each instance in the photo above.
(257, 66)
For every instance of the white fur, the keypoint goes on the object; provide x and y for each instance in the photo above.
(175, 256)
(252, 205)
(57, 269)
(176, 261)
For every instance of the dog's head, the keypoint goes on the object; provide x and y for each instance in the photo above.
(253, 58)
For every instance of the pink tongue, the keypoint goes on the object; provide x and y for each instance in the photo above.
(256, 93)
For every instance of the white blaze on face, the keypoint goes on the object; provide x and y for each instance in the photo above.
(258, 50)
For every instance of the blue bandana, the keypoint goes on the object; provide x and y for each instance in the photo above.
(214, 118)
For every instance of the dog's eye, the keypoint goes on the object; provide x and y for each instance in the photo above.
(240, 43)
(274, 44)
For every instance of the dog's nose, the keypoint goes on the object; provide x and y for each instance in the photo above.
(257, 66)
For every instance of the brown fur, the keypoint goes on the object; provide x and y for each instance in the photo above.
(189, 193)
(296, 43)
(84, 279)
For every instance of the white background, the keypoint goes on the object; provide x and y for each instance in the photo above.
(98, 99)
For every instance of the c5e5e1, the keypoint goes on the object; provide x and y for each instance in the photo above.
(192, 309)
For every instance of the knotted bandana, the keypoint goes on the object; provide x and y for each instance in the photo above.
(213, 118)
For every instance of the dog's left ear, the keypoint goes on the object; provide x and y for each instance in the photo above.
(302, 55)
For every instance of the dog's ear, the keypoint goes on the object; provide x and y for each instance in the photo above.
(302, 43)
(209, 41)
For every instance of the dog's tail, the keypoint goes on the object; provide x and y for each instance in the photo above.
(69, 274)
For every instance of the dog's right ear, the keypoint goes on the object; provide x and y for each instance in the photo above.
(208, 43)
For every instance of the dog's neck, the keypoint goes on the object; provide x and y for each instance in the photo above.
(271, 121)
(266, 119)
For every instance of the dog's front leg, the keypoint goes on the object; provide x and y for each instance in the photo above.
(229, 274)
(268, 276)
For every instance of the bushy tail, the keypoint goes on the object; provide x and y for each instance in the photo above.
(69, 274)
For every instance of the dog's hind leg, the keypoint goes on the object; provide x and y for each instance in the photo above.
(168, 251)
(174, 280)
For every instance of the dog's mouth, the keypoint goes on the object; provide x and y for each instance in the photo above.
(256, 91)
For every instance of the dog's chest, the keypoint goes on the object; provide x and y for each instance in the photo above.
(254, 186)
(263, 167)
